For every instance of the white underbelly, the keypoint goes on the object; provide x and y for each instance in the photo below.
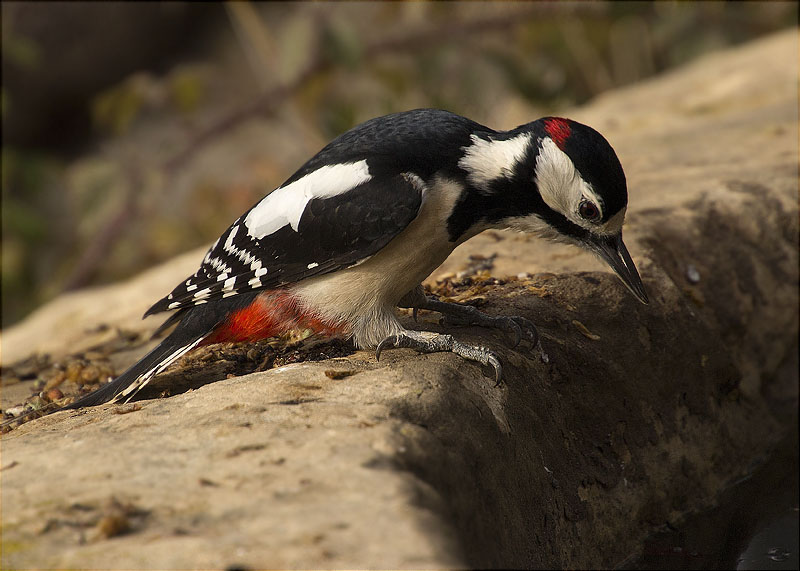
(363, 297)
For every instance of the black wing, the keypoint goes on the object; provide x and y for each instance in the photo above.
(333, 233)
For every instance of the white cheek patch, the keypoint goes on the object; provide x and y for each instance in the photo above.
(560, 185)
(285, 205)
(486, 161)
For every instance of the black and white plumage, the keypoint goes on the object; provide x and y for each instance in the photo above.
(351, 235)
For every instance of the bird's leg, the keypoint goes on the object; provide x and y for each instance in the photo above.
(429, 342)
(456, 314)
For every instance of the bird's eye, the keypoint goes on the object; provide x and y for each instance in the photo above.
(589, 211)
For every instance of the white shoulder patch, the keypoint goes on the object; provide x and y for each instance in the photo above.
(285, 205)
(486, 161)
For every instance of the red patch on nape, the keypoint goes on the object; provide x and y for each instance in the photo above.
(558, 129)
(271, 313)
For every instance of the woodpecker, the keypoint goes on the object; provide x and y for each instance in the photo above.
(352, 234)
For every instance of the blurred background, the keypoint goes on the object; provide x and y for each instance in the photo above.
(135, 131)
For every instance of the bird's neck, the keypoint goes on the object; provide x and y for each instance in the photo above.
(483, 208)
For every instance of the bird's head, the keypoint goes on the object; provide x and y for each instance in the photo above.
(582, 184)
(563, 182)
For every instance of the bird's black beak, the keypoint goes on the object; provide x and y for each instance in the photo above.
(612, 249)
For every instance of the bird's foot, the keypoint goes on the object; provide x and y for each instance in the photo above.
(428, 342)
(519, 327)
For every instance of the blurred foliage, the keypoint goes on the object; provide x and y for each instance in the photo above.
(186, 90)
(30, 224)
(21, 51)
(114, 110)
(176, 155)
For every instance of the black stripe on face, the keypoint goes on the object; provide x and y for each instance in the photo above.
(564, 227)
(517, 197)
(501, 200)
(504, 197)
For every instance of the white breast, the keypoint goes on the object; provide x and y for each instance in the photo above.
(364, 296)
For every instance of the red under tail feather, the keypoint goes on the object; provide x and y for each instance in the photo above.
(271, 313)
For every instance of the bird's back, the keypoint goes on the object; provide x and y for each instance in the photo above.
(419, 141)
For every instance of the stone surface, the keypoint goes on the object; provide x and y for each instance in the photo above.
(420, 461)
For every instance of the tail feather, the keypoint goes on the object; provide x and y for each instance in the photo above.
(195, 324)
(137, 376)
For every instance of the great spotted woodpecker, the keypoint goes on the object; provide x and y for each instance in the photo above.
(351, 235)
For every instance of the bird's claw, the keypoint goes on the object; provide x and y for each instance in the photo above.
(498, 368)
(518, 327)
(391, 340)
(434, 343)
(525, 327)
